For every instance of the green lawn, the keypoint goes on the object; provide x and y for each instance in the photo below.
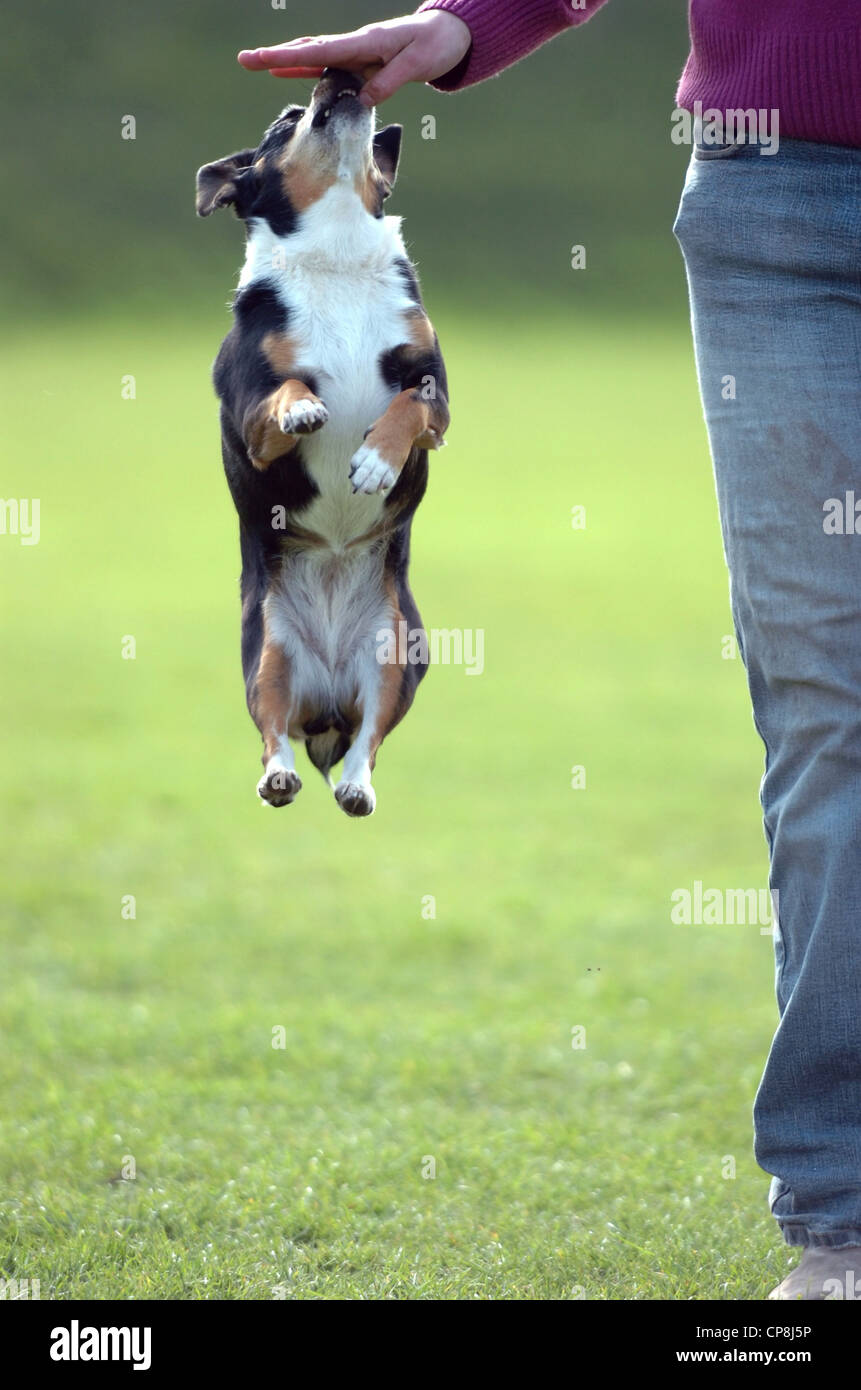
(298, 1171)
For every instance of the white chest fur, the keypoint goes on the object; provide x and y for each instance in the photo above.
(345, 303)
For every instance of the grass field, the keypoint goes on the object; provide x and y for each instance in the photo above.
(301, 1171)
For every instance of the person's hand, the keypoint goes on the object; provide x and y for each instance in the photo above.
(415, 48)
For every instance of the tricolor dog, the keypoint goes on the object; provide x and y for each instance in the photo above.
(332, 391)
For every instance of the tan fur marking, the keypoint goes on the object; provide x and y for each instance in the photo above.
(391, 678)
(371, 188)
(304, 185)
(279, 349)
(266, 440)
(409, 421)
(276, 713)
(421, 334)
(272, 697)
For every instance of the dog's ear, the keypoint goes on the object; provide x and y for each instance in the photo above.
(387, 152)
(218, 183)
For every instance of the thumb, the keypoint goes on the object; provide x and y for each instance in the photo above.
(404, 67)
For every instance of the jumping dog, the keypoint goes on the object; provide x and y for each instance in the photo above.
(332, 391)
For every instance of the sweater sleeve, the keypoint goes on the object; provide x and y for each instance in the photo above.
(503, 32)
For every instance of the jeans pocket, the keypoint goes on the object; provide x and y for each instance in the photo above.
(705, 215)
(684, 214)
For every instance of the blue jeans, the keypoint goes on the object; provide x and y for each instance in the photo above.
(772, 246)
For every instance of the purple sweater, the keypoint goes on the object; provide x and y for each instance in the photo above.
(801, 56)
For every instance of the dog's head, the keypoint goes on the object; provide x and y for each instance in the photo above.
(306, 151)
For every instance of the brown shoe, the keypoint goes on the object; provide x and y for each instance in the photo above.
(824, 1273)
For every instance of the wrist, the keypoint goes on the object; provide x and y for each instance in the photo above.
(455, 38)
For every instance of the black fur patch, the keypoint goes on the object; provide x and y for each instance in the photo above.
(259, 191)
(264, 499)
(408, 274)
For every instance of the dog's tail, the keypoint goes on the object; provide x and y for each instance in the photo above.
(327, 748)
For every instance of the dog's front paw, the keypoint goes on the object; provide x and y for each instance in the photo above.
(302, 417)
(355, 799)
(370, 472)
(278, 786)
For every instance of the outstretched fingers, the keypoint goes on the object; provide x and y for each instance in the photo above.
(309, 56)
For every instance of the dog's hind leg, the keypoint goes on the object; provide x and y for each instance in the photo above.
(380, 705)
(270, 705)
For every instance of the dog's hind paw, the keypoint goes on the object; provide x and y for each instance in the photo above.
(303, 417)
(355, 799)
(369, 471)
(278, 786)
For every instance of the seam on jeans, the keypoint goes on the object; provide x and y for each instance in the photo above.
(795, 1233)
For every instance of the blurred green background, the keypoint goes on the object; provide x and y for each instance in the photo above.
(571, 146)
(619, 1170)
